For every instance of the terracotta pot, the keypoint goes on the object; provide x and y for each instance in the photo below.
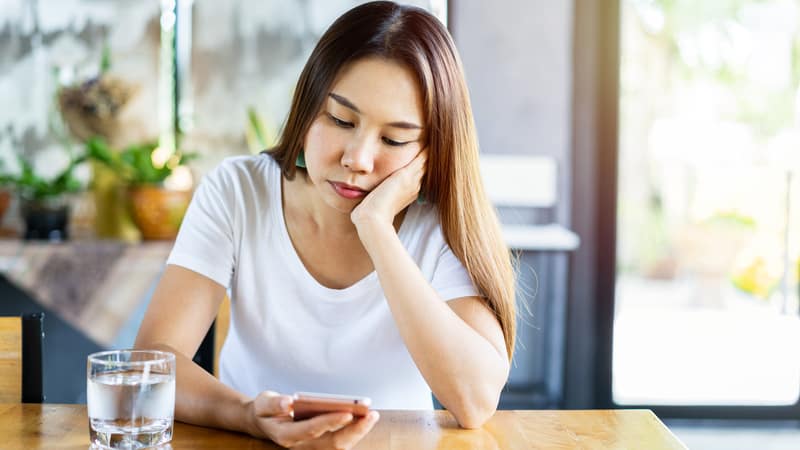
(157, 211)
(5, 201)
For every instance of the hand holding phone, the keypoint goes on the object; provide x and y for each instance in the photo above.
(309, 404)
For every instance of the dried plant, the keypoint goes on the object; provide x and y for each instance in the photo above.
(92, 108)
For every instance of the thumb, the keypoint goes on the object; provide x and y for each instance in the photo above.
(269, 403)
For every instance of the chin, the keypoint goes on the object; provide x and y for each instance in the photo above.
(340, 204)
(333, 200)
(347, 209)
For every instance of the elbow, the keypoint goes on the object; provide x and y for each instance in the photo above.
(472, 420)
(475, 410)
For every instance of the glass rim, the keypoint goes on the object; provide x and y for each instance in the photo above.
(163, 357)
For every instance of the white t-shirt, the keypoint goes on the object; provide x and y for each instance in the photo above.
(288, 332)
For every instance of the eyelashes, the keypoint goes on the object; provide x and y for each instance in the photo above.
(339, 122)
(392, 143)
(348, 125)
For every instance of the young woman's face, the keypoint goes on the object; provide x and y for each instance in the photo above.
(370, 126)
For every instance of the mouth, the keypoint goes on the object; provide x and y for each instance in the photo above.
(347, 191)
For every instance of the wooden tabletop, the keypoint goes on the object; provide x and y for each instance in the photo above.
(51, 426)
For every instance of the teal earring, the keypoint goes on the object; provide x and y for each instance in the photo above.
(421, 199)
(301, 160)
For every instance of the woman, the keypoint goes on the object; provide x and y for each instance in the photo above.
(340, 281)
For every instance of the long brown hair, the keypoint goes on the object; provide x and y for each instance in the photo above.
(413, 37)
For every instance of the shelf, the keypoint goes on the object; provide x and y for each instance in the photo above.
(550, 237)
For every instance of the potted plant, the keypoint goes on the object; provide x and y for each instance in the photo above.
(5, 192)
(159, 187)
(43, 184)
(94, 107)
(5, 201)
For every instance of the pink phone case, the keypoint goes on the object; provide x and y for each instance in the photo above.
(308, 405)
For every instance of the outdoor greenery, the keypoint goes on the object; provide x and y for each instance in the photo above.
(707, 42)
(709, 91)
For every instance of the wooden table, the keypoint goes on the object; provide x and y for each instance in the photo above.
(51, 426)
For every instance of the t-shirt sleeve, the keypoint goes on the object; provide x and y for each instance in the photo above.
(205, 242)
(450, 278)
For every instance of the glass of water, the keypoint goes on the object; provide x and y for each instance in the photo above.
(130, 395)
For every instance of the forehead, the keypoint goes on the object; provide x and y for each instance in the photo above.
(381, 88)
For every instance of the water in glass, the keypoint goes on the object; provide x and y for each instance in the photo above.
(130, 408)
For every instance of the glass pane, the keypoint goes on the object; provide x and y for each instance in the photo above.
(708, 224)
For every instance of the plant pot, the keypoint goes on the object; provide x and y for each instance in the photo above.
(45, 219)
(157, 211)
(5, 201)
(113, 219)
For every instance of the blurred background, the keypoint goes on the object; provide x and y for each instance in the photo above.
(643, 156)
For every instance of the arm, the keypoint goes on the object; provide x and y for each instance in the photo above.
(181, 311)
(458, 346)
(178, 317)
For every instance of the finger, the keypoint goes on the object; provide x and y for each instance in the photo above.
(269, 403)
(421, 158)
(349, 436)
(418, 160)
(416, 167)
(422, 164)
(314, 427)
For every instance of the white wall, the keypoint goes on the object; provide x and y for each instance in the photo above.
(517, 55)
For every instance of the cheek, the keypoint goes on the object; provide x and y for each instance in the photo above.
(314, 137)
(317, 147)
(324, 141)
(405, 156)
(395, 161)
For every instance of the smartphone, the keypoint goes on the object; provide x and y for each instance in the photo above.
(310, 404)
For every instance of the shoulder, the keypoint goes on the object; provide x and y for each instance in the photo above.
(424, 215)
(239, 191)
(243, 168)
(241, 174)
(423, 224)
(427, 245)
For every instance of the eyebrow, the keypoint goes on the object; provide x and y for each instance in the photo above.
(348, 104)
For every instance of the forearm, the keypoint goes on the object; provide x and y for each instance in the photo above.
(464, 370)
(201, 399)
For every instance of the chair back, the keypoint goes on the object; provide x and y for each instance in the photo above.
(221, 325)
(21, 377)
(207, 355)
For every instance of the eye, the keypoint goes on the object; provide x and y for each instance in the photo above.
(339, 122)
(388, 141)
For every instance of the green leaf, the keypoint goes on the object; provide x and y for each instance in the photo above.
(134, 164)
(257, 127)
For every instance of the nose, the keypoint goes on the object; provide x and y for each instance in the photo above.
(359, 154)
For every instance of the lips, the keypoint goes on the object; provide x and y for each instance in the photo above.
(348, 191)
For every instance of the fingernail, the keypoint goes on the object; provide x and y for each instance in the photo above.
(285, 402)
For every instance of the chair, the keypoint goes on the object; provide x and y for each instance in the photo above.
(21, 343)
(207, 355)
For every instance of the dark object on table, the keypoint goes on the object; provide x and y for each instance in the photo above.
(46, 219)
